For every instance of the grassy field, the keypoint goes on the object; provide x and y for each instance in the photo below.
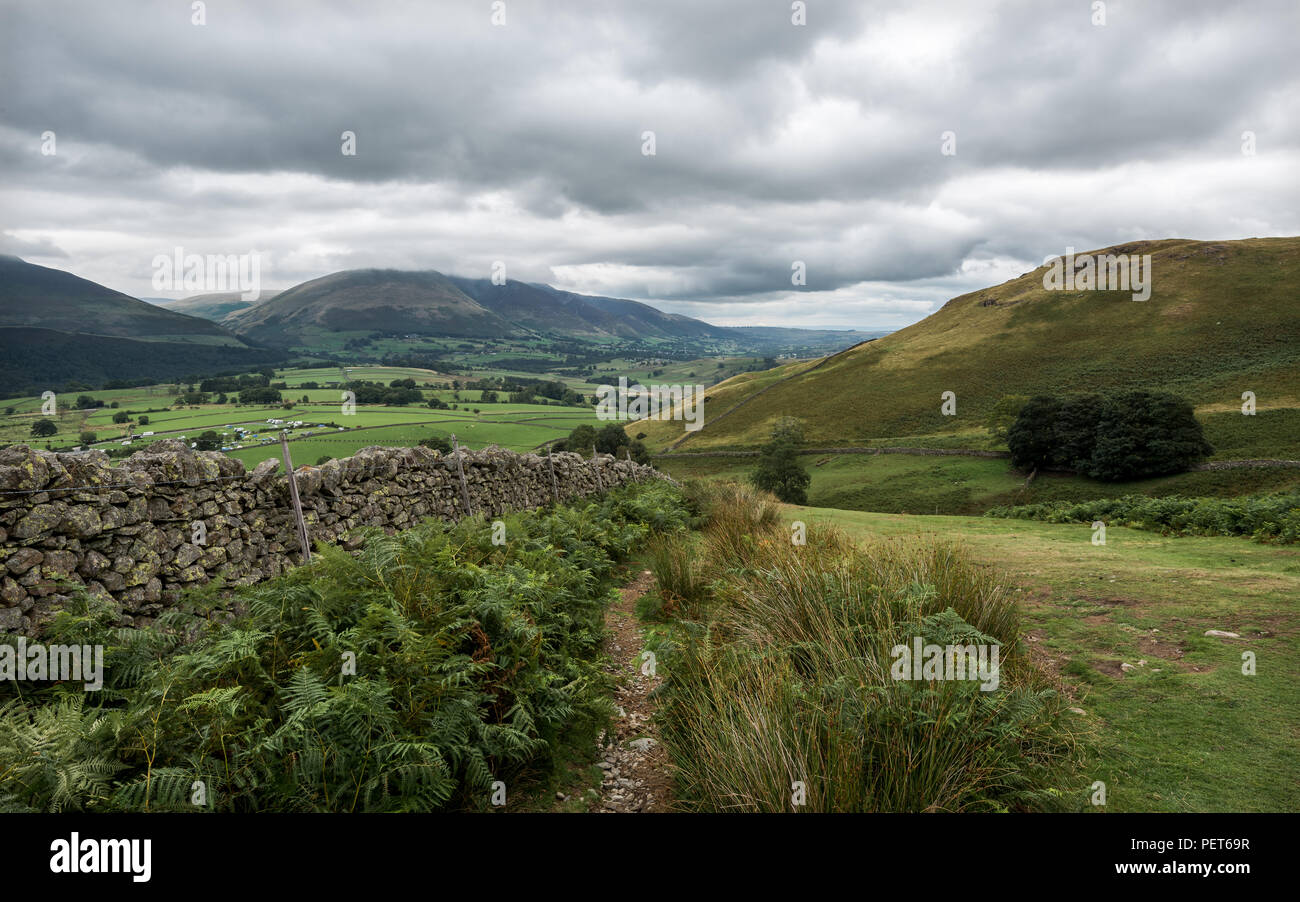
(326, 375)
(705, 371)
(521, 427)
(897, 483)
(326, 430)
(1186, 730)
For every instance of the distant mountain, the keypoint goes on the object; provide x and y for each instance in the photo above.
(552, 311)
(643, 320)
(53, 324)
(532, 307)
(430, 303)
(214, 307)
(56, 327)
(38, 297)
(369, 300)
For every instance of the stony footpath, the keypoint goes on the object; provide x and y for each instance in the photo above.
(633, 762)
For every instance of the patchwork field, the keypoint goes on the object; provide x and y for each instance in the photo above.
(326, 430)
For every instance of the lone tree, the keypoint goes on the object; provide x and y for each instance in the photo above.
(208, 441)
(610, 438)
(437, 443)
(580, 441)
(44, 427)
(779, 470)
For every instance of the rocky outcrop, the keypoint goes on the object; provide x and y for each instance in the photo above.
(168, 517)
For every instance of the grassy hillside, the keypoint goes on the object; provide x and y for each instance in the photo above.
(56, 327)
(37, 297)
(1221, 320)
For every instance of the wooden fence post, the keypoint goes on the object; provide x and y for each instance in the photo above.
(555, 486)
(595, 465)
(460, 468)
(303, 541)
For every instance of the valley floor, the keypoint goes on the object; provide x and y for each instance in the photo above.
(1182, 729)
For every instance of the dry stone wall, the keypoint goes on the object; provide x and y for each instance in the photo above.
(168, 517)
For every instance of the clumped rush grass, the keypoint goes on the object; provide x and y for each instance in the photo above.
(784, 679)
(681, 586)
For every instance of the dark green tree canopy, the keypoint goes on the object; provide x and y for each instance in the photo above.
(779, 470)
(1129, 435)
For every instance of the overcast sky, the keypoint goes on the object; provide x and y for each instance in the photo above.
(522, 142)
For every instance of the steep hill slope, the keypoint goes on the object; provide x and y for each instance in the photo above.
(37, 297)
(36, 360)
(56, 327)
(386, 300)
(534, 307)
(1223, 318)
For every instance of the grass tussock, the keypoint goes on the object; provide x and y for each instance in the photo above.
(784, 684)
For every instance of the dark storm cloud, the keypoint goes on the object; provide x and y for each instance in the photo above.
(522, 142)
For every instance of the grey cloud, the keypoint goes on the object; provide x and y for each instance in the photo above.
(774, 143)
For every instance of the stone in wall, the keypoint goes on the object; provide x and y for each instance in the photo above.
(129, 532)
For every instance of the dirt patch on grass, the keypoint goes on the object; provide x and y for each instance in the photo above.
(1036, 595)
(1046, 659)
(1278, 625)
(1115, 602)
(1151, 647)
